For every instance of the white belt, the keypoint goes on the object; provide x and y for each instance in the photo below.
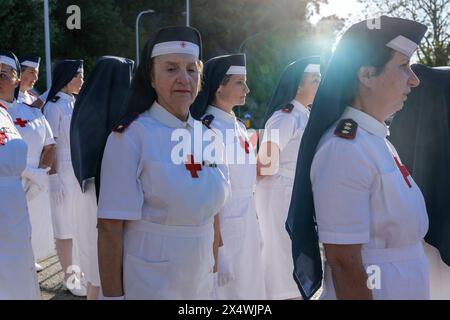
(287, 173)
(374, 256)
(169, 230)
(9, 180)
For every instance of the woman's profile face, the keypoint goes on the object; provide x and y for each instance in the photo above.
(308, 86)
(74, 86)
(175, 78)
(234, 91)
(394, 84)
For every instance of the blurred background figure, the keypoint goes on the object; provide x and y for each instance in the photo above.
(421, 133)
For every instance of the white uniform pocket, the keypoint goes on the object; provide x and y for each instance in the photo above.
(146, 279)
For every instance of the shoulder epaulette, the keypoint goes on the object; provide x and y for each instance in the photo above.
(207, 119)
(288, 108)
(3, 106)
(125, 122)
(55, 99)
(346, 129)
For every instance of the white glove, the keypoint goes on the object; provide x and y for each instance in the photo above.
(225, 272)
(56, 188)
(34, 181)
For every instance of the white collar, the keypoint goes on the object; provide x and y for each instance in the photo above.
(66, 96)
(9, 105)
(160, 114)
(219, 113)
(366, 121)
(300, 107)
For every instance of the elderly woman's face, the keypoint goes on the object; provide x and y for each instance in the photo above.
(175, 78)
(8, 82)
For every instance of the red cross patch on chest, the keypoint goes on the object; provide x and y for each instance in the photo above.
(21, 123)
(192, 166)
(244, 144)
(404, 171)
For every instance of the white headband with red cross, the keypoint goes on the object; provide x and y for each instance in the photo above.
(175, 47)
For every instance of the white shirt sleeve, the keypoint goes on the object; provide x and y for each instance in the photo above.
(52, 113)
(341, 177)
(43, 96)
(121, 195)
(48, 139)
(48, 133)
(279, 129)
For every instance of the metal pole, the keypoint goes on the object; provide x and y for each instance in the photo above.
(48, 59)
(137, 32)
(187, 13)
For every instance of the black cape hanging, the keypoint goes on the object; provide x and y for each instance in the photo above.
(63, 73)
(142, 94)
(358, 46)
(421, 135)
(214, 72)
(287, 87)
(99, 105)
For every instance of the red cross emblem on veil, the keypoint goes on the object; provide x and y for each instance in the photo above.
(183, 44)
(192, 166)
(20, 122)
(404, 171)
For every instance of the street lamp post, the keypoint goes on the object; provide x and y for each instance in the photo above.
(137, 32)
(188, 13)
(48, 59)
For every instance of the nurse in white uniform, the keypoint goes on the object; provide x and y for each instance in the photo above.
(159, 190)
(67, 81)
(29, 76)
(240, 267)
(370, 214)
(98, 107)
(36, 132)
(18, 279)
(286, 120)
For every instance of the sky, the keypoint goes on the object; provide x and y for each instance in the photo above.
(341, 8)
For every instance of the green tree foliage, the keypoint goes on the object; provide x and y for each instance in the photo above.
(272, 33)
(435, 14)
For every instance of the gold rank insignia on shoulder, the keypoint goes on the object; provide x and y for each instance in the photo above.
(207, 119)
(125, 122)
(288, 108)
(346, 129)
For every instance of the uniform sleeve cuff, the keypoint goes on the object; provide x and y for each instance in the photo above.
(119, 215)
(344, 238)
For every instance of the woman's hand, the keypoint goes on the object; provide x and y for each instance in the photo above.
(217, 241)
